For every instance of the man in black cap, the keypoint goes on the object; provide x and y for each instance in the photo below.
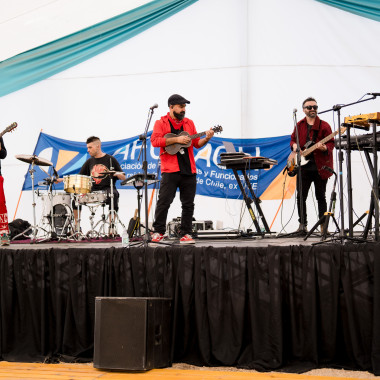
(178, 169)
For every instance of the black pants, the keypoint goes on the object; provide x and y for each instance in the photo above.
(170, 182)
(308, 177)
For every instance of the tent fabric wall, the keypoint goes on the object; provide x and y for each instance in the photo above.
(365, 8)
(44, 61)
(245, 67)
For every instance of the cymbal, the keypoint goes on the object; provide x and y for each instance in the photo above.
(108, 172)
(33, 160)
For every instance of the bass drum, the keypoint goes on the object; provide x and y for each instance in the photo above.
(62, 219)
(50, 200)
(62, 212)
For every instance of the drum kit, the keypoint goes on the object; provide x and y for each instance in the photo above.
(60, 219)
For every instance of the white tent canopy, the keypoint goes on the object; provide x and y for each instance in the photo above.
(243, 64)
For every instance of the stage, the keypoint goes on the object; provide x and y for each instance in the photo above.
(260, 303)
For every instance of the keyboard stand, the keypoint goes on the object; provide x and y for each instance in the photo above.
(248, 201)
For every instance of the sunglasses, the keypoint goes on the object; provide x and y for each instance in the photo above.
(311, 107)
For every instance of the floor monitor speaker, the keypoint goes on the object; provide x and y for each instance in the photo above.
(132, 333)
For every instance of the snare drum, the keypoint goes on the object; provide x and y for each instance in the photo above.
(77, 184)
(93, 198)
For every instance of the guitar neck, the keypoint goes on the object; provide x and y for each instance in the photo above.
(314, 147)
(197, 135)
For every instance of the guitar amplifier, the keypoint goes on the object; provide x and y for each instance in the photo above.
(173, 227)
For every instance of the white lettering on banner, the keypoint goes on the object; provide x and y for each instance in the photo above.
(131, 166)
(3, 218)
(210, 182)
(258, 151)
(134, 148)
(199, 180)
(125, 150)
(204, 154)
(216, 152)
(231, 176)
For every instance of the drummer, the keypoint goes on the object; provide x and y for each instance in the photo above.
(95, 166)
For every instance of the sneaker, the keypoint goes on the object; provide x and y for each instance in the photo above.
(157, 237)
(187, 239)
(5, 239)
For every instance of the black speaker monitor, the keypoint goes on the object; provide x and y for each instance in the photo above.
(132, 333)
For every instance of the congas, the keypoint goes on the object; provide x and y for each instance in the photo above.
(77, 184)
(92, 198)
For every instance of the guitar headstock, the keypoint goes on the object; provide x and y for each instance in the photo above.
(342, 130)
(10, 128)
(217, 129)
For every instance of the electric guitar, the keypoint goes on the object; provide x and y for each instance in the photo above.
(291, 164)
(8, 129)
(175, 148)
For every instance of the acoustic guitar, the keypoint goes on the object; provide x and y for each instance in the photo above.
(175, 148)
(309, 148)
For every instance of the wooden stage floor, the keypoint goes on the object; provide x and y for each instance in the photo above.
(65, 371)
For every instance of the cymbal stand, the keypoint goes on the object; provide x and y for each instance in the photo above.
(77, 235)
(34, 227)
(112, 214)
(92, 233)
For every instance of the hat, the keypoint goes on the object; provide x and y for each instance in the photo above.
(177, 99)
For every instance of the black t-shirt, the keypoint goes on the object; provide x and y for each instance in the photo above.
(183, 158)
(94, 166)
(311, 165)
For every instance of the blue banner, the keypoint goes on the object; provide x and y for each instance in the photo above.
(212, 180)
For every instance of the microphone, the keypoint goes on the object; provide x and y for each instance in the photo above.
(328, 169)
(373, 93)
(295, 110)
(155, 105)
(55, 172)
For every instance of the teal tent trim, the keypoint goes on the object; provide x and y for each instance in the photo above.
(365, 8)
(44, 61)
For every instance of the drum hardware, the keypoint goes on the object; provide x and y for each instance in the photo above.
(32, 160)
(137, 180)
(77, 184)
(93, 233)
(113, 215)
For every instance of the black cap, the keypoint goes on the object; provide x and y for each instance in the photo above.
(177, 99)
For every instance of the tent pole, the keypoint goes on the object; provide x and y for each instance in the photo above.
(19, 198)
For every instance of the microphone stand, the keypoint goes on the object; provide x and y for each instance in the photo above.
(143, 138)
(302, 231)
(337, 109)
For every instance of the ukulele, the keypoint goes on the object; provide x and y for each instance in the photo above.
(175, 148)
(10, 128)
(291, 164)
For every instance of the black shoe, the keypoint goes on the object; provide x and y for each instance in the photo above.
(302, 228)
